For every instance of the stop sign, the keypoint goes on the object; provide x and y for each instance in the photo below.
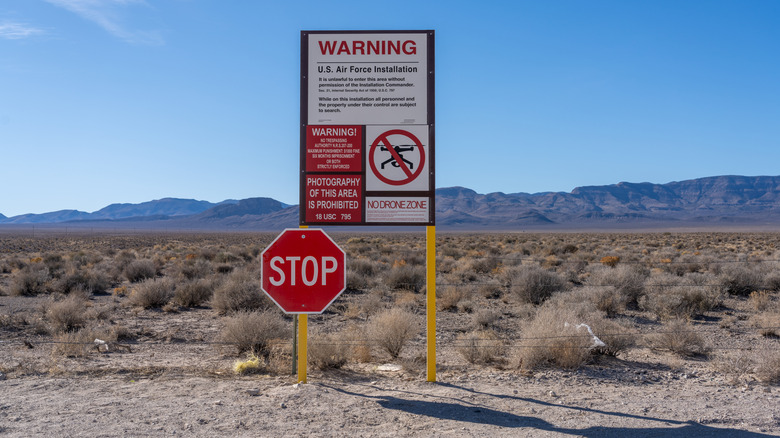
(303, 270)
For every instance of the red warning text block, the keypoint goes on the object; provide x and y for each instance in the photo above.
(333, 148)
(333, 199)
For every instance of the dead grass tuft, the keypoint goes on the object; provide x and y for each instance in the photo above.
(392, 329)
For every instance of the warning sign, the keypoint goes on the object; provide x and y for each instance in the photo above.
(397, 158)
(334, 148)
(367, 127)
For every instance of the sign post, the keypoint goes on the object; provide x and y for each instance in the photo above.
(303, 271)
(368, 136)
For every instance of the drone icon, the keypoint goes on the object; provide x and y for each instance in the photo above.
(399, 149)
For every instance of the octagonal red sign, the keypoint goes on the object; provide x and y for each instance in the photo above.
(303, 270)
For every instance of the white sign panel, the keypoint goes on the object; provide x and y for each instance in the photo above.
(397, 209)
(367, 78)
(397, 158)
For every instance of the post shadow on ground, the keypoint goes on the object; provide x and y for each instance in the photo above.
(459, 410)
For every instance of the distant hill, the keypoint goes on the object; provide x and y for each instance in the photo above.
(721, 201)
(160, 207)
(166, 207)
(705, 201)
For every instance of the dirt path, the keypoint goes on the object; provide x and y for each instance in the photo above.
(350, 403)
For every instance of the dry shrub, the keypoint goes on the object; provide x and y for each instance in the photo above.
(81, 343)
(152, 293)
(392, 329)
(66, 315)
(741, 280)
(735, 364)
(405, 276)
(356, 281)
(627, 280)
(91, 281)
(240, 291)
(551, 337)
(450, 297)
(327, 351)
(193, 293)
(480, 347)
(532, 284)
(30, 280)
(193, 268)
(484, 318)
(490, 290)
(74, 344)
(768, 323)
(363, 267)
(610, 261)
(673, 297)
(253, 331)
(359, 347)
(485, 265)
(760, 300)
(679, 337)
(606, 299)
(616, 337)
(139, 270)
(768, 365)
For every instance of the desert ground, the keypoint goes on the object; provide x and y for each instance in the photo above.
(559, 334)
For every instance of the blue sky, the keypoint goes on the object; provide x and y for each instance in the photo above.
(105, 101)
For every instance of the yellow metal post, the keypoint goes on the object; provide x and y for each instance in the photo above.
(303, 322)
(300, 342)
(430, 262)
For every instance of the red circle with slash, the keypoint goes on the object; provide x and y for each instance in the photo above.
(384, 141)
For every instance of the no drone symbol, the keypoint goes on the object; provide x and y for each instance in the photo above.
(396, 159)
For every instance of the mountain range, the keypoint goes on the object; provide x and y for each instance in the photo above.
(720, 201)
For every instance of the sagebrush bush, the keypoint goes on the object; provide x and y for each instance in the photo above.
(66, 315)
(451, 296)
(605, 298)
(30, 280)
(154, 292)
(628, 280)
(408, 277)
(679, 337)
(741, 279)
(533, 284)
(554, 337)
(673, 297)
(480, 347)
(90, 281)
(768, 365)
(616, 337)
(392, 329)
(484, 318)
(193, 293)
(253, 331)
(139, 270)
(768, 323)
(356, 281)
(239, 291)
(327, 351)
(192, 268)
(485, 265)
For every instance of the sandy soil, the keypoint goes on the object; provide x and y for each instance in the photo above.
(176, 381)
(358, 403)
